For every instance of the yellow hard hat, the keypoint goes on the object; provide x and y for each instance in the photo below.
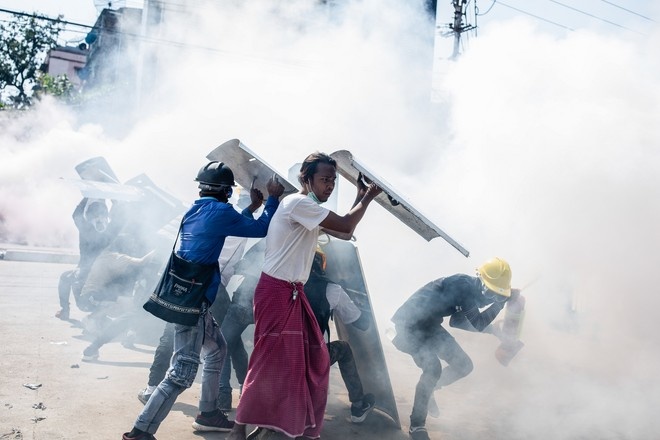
(496, 276)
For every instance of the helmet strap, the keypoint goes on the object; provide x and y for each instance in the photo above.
(206, 187)
(216, 190)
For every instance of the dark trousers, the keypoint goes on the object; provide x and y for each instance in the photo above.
(70, 282)
(340, 351)
(118, 326)
(162, 356)
(237, 319)
(427, 351)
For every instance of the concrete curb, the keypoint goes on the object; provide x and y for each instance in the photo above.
(17, 252)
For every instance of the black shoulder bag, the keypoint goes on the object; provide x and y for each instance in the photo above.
(181, 291)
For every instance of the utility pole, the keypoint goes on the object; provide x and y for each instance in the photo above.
(458, 26)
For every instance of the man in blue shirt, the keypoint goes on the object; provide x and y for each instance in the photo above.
(204, 229)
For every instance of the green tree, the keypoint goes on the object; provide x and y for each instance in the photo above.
(59, 86)
(24, 44)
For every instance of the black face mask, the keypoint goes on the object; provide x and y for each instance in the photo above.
(100, 224)
(493, 297)
(489, 295)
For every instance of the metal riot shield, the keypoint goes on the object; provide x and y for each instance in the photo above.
(344, 268)
(149, 211)
(248, 168)
(106, 190)
(98, 169)
(100, 182)
(160, 206)
(349, 167)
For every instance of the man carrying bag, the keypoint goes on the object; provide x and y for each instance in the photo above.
(181, 291)
(201, 237)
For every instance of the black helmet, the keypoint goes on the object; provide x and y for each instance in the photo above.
(214, 176)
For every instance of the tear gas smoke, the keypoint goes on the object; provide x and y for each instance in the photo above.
(542, 150)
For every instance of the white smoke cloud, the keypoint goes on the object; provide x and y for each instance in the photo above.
(542, 150)
(553, 155)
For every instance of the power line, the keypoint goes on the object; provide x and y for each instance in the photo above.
(176, 44)
(53, 20)
(535, 16)
(73, 31)
(489, 8)
(593, 16)
(628, 10)
(45, 18)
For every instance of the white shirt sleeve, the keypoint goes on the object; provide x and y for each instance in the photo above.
(231, 253)
(342, 305)
(309, 213)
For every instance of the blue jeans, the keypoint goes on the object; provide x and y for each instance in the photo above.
(165, 348)
(189, 342)
(236, 321)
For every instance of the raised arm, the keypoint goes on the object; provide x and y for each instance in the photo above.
(343, 226)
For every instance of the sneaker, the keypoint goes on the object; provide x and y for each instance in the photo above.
(143, 436)
(224, 401)
(418, 433)
(360, 411)
(432, 408)
(62, 314)
(254, 434)
(144, 395)
(268, 434)
(219, 422)
(90, 354)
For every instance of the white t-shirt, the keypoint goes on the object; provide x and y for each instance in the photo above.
(292, 237)
(341, 304)
(231, 253)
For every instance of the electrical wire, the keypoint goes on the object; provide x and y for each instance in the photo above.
(45, 18)
(163, 42)
(476, 8)
(593, 16)
(628, 10)
(535, 16)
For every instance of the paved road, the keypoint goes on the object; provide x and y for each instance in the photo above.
(79, 400)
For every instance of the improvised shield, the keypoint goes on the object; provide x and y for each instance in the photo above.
(98, 169)
(248, 168)
(349, 167)
(344, 268)
(100, 182)
(160, 206)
